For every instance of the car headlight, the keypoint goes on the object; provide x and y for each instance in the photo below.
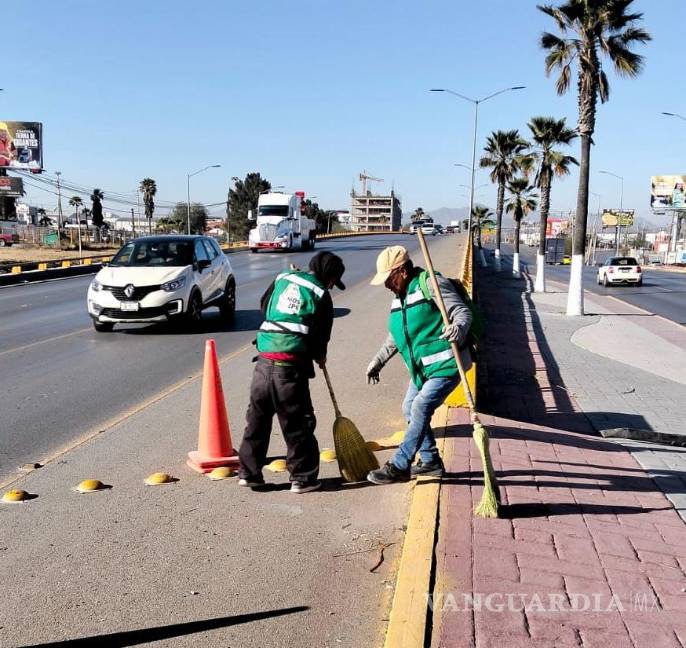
(96, 286)
(174, 284)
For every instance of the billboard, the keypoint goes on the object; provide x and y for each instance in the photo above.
(667, 192)
(21, 145)
(556, 227)
(621, 217)
(12, 187)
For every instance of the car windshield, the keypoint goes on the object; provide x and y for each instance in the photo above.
(274, 210)
(624, 261)
(155, 253)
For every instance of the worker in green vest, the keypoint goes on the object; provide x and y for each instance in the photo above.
(417, 332)
(298, 318)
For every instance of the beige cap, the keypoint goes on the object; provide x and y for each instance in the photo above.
(391, 258)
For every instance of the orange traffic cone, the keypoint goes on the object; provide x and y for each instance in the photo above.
(214, 436)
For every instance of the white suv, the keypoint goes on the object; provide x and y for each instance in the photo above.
(620, 270)
(162, 278)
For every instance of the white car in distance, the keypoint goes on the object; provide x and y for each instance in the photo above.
(160, 279)
(617, 270)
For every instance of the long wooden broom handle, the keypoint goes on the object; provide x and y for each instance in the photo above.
(444, 314)
(333, 396)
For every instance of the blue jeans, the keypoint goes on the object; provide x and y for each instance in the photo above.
(418, 408)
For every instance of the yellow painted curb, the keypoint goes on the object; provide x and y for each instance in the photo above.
(409, 612)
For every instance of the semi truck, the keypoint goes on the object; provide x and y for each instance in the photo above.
(280, 223)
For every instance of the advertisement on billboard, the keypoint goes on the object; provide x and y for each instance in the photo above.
(11, 187)
(621, 217)
(667, 192)
(556, 227)
(21, 145)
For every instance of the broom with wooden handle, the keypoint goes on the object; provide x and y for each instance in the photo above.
(488, 506)
(355, 459)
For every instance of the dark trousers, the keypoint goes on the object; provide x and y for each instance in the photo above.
(283, 390)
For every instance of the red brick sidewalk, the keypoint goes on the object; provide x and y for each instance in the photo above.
(588, 551)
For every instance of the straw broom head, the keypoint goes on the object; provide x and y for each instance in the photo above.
(355, 459)
(490, 498)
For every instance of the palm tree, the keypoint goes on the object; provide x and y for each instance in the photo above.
(479, 214)
(546, 133)
(521, 201)
(96, 199)
(589, 29)
(418, 215)
(76, 202)
(148, 188)
(504, 151)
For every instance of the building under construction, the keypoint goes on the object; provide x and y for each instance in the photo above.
(372, 212)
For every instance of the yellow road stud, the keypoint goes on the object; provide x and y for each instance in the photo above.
(223, 472)
(398, 436)
(327, 455)
(15, 496)
(90, 486)
(158, 478)
(278, 465)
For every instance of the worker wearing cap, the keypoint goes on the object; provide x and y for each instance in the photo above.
(298, 320)
(417, 332)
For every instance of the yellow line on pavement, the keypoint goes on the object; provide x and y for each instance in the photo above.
(409, 613)
(45, 341)
(120, 418)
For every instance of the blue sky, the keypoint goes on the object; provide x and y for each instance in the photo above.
(311, 92)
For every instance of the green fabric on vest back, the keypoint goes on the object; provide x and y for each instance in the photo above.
(289, 313)
(416, 326)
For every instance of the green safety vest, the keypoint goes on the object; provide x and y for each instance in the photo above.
(289, 313)
(416, 326)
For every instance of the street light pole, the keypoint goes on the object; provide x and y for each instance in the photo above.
(621, 207)
(188, 191)
(476, 103)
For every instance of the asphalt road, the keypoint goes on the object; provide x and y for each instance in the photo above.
(662, 292)
(61, 380)
(199, 562)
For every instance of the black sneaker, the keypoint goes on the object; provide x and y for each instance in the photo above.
(388, 474)
(251, 482)
(433, 469)
(305, 487)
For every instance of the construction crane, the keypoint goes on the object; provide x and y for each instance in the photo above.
(363, 179)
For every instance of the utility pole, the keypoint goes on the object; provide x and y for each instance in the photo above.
(133, 223)
(59, 203)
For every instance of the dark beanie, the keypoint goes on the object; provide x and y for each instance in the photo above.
(328, 266)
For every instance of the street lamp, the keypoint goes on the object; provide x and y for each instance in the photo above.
(621, 205)
(188, 189)
(476, 103)
(594, 236)
(677, 115)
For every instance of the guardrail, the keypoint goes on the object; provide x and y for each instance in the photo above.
(466, 276)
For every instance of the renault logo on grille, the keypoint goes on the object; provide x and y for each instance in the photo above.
(129, 290)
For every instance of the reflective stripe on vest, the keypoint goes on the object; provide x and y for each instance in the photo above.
(437, 357)
(285, 327)
(411, 299)
(302, 282)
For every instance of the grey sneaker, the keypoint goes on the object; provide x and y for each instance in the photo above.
(433, 469)
(305, 487)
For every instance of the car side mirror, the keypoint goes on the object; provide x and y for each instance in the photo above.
(203, 263)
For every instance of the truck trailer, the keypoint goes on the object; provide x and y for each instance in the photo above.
(280, 223)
